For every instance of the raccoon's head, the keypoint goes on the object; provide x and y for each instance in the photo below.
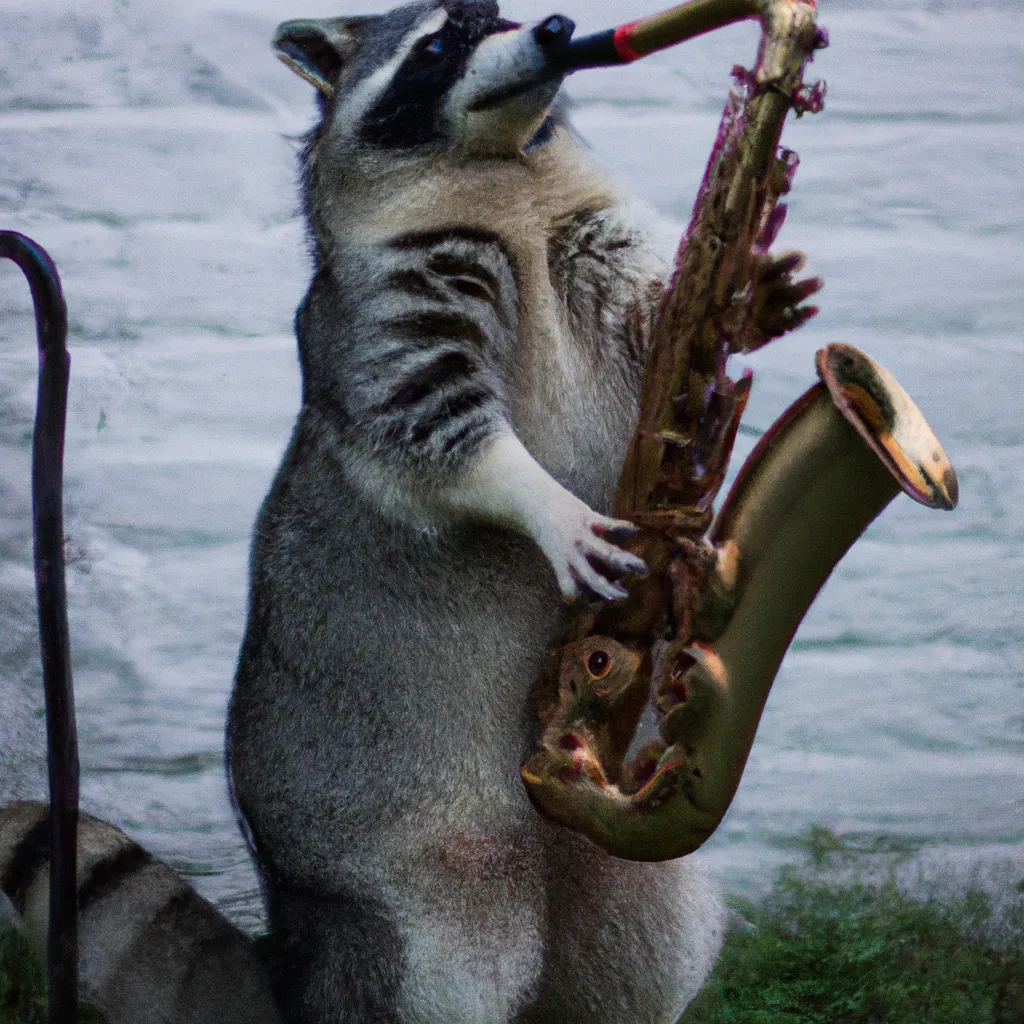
(432, 75)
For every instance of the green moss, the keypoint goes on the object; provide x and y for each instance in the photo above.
(23, 985)
(22, 982)
(821, 952)
(857, 953)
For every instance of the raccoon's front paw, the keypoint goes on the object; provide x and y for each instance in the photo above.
(777, 300)
(583, 549)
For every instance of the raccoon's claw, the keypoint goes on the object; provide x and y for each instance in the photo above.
(596, 564)
(579, 544)
(613, 559)
(591, 585)
(619, 532)
(776, 306)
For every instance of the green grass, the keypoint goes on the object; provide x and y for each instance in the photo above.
(23, 985)
(858, 953)
(21, 982)
(825, 949)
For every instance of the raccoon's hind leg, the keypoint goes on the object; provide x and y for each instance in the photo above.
(417, 380)
(454, 937)
(630, 942)
(332, 957)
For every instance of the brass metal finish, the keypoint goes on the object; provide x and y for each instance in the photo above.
(808, 490)
(704, 634)
(687, 21)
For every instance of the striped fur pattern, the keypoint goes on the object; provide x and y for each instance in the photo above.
(152, 951)
(440, 308)
(471, 348)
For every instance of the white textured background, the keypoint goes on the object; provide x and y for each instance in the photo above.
(146, 147)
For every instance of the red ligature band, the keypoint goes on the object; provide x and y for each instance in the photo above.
(623, 43)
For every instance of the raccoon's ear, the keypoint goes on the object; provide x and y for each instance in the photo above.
(318, 49)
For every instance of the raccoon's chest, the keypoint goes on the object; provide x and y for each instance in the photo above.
(584, 305)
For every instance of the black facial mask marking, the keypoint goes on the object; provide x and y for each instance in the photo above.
(407, 114)
(543, 134)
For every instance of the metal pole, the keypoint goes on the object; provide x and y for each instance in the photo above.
(48, 523)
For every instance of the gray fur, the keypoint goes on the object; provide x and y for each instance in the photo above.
(405, 586)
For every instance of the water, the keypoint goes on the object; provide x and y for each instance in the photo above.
(148, 152)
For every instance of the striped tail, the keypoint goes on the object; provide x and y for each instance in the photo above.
(151, 950)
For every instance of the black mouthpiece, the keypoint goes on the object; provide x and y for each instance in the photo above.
(554, 32)
(595, 51)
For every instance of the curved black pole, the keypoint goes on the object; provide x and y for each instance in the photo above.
(48, 522)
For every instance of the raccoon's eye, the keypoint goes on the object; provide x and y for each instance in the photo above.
(432, 47)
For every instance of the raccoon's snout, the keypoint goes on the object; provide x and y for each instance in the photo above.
(508, 88)
(555, 32)
(535, 60)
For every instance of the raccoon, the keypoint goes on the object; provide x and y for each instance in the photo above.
(152, 950)
(471, 348)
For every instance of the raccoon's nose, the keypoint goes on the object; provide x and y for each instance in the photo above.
(554, 32)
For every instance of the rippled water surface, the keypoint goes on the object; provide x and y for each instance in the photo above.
(148, 152)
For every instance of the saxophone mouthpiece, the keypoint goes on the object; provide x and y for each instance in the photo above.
(630, 42)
